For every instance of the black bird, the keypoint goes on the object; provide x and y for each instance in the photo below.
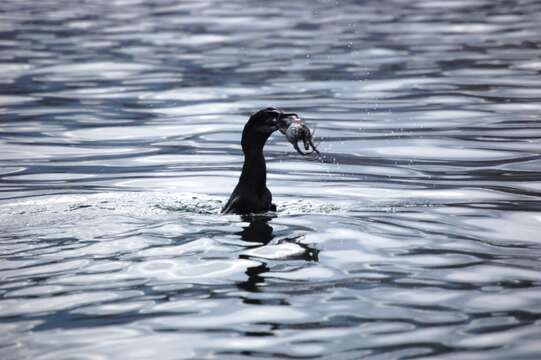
(251, 194)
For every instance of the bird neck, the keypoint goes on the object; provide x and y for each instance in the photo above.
(254, 170)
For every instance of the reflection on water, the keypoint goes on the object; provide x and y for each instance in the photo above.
(416, 235)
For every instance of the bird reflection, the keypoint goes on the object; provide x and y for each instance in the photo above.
(260, 233)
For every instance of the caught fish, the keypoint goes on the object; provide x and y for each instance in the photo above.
(296, 131)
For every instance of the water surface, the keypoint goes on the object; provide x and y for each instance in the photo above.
(415, 237)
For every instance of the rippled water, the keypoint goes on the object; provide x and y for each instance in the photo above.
(417, 235)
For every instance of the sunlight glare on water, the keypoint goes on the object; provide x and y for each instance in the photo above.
(416, 235)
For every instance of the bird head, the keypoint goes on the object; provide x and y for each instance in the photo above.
(266, 121)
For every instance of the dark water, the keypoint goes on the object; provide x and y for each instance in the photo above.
(418, 236)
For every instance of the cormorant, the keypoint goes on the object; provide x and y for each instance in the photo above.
(251, 194)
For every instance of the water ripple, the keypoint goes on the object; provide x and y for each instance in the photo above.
(413, 236)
